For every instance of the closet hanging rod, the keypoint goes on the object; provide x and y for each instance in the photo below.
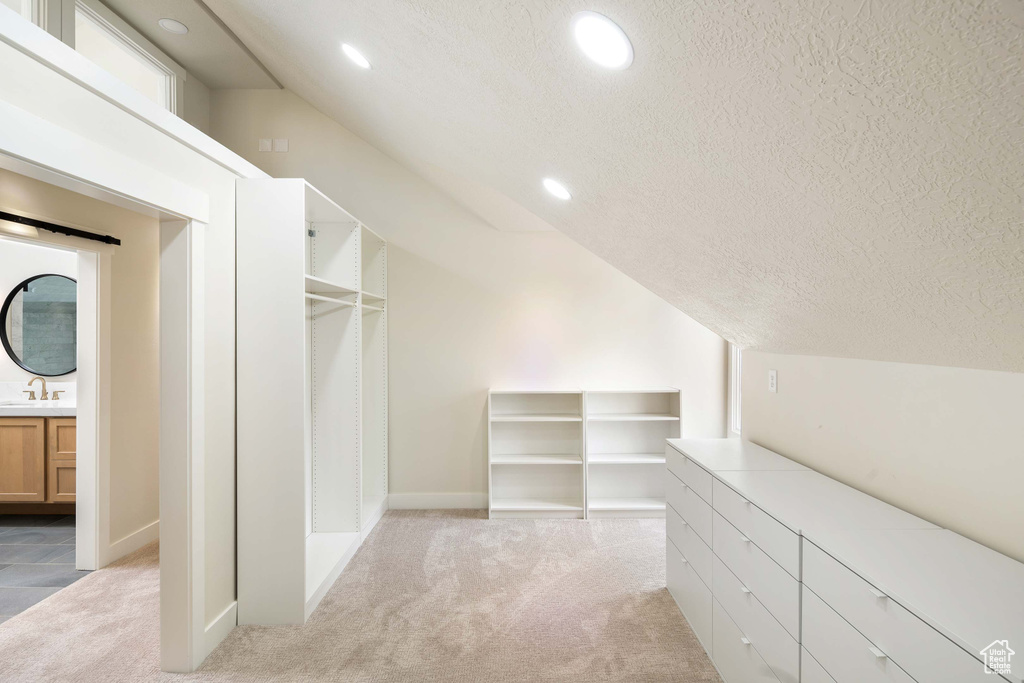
(60, 229)
(328, 299)
(373, 308)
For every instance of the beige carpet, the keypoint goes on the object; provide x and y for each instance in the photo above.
(431, 596)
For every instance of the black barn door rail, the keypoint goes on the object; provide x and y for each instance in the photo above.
(60, 229)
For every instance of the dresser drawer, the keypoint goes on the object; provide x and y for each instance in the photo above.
(811, 671)
(689, 544)
(690, 506)
(781, 544)
(920, 650)
(734, 654)
(842, 651)
(674, 461)
(690, 593)
(698, 479)
(778, 649)
(771, 584)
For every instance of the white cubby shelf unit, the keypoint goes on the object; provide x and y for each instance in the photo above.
(312, 395)
(625, 453)
(579, 454)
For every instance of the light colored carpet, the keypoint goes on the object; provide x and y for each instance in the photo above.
(431, 596)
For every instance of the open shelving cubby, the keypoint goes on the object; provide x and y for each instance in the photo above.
(625, 454)
(311, 396)
(535, 454)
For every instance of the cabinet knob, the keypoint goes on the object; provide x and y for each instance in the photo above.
(877, 653)
(745, 641)
(745, 590)
(879, 595)
(744, 539)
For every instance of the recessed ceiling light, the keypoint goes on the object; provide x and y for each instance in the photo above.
(173, 26)
(602, 40)
(355, 55)
(557, 189)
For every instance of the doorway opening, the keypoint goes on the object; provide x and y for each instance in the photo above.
(79, 389)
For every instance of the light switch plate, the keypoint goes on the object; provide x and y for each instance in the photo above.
(773, 381)
(265, 144)
(280, 144)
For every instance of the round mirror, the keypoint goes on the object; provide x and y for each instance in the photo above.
(39, 325)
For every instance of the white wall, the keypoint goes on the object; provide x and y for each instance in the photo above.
(196, 107)
(133, 269)
(18, 262)
(946, 444)
(472, 308)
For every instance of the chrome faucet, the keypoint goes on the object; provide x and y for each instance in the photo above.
(32, 395)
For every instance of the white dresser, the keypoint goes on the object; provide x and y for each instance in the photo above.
(787, 575)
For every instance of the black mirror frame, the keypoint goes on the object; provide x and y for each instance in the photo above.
(3, 324)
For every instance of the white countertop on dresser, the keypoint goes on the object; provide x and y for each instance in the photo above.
(971, 594)
(732, 454)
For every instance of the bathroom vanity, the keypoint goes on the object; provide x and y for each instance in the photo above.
(37, 457)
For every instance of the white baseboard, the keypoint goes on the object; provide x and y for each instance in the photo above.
(437, 501)
(130, 543)
(218, 629)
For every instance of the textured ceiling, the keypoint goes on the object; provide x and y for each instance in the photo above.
(837, 178)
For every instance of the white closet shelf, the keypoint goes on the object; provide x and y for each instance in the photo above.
(315, 285)
(554, 459)
(372, 309)
(374, 298)
(540, 417)
(535, 504)
(633, 417)
(331, 300)
(626, 458)
(630, 504)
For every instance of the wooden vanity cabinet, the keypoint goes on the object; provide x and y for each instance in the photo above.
(22, 459)
(60, 453)
(37, 459)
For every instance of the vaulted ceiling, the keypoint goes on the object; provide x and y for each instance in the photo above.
(826, 177)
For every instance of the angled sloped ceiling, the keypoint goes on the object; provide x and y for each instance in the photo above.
(824, 177)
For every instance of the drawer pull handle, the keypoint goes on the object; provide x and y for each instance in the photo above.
(684, 560)
(745, 590)
(877, 653)
(745, 641)
(879, 595)
(745, 539)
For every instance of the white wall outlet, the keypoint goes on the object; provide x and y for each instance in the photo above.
(280, 144)
(773, 381)
(265, 144)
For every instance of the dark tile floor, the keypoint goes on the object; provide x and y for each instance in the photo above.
(37, 559)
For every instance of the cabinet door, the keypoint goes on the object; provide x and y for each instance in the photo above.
(22, 459)
(61, 440)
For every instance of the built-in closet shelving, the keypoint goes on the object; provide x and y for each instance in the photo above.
(578, 454)
(311, 393)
